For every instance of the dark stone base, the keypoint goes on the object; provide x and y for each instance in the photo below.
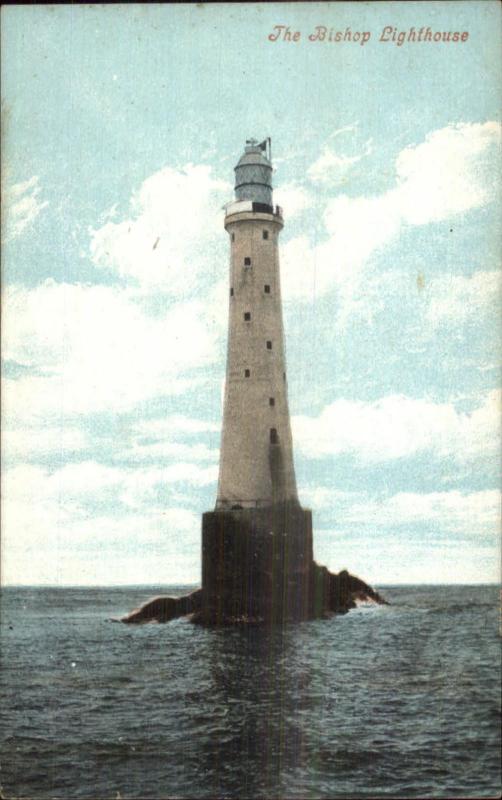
(256, 564)
(258, 567)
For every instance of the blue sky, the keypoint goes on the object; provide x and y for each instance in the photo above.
(122, 125)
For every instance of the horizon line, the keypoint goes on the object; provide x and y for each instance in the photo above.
(181, 584)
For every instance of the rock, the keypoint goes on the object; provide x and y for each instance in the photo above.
(164, 609)
(258, 568)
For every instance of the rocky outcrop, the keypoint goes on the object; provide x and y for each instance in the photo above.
(164, 609)
(333, 594)
(344, 590)
(258, 567)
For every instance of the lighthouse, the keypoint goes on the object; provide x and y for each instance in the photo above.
(257, 553)
(256, 457)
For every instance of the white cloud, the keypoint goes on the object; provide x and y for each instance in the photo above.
(352, 128)
(394, 561)
(105, 550)
(92, 523)
(93, 348)
(159, 439)
(145, 488)
(333, 166)
(216, 300)
(43, 441)
(175, 424)
(21, 206)
(299, 275)
(473, 513)
(359, 226)
(449, 173)
(174, 235)
(409, 537)
(192, 474)
(327, 498)
(397, 426)
(75, 487)
(293, 199)
(173, 438)
(455, 298)
(57, 529)
(169, 450)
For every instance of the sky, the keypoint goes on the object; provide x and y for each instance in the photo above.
(121, 128)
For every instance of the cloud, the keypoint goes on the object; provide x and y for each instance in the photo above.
(327, 498)
(410, 537)
(449, 173)
(192, 474)
(299, 275)
(160, 451)
(165, 438)
(70, 525)
(472, 513)
(333, 166)
(92, 348)
(352, 128)
(42, 442)
(415, 561)
(454, 298)
(174, 234)
(293, 199)
(21, 206)
(75, 488)
(397, 426)
(216, 307)
(175, 424)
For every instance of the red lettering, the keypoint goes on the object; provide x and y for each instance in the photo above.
(274, 36)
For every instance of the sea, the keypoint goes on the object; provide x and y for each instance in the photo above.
(387, 701)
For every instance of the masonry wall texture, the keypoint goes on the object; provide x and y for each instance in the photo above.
(256, 422)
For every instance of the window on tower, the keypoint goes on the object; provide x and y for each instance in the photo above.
(274, 439)
(266, 289)
(247, 316)
(247, 373)
(271, 401)
(232, 292)
(269, 345)
(233, 237)
(265, 234)
(247, 261)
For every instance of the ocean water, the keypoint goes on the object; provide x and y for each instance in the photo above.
(397, 701)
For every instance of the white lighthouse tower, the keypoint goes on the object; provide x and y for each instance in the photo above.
(257, 546)
(257, 549)
(256, 459)
(257, 556)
